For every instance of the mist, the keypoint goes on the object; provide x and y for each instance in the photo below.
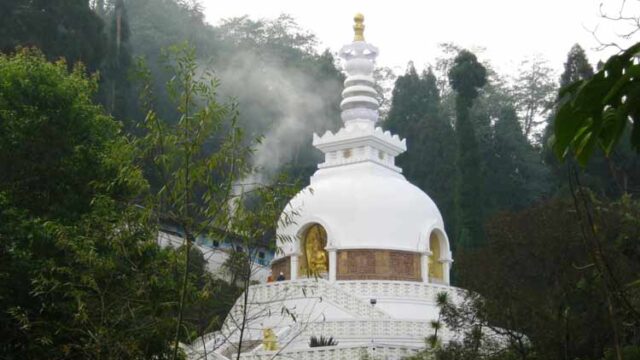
(284, 105)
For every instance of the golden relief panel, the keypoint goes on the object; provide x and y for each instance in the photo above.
(378, 264)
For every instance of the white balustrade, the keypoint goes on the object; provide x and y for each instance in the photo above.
(426, 292)
(260, 295)
(343, 329)
(380, 351)
(351, 296)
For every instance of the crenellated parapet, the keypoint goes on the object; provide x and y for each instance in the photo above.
(360, 143)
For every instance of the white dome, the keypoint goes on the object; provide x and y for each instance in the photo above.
(363, 206)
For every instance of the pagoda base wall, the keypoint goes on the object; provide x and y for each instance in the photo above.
(375, 264)
(365, 264)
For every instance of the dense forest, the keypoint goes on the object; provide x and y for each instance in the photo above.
(116, 115)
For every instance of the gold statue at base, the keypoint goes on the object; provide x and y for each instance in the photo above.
(269, 340)
(314, 243)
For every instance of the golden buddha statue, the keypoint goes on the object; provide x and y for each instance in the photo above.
(316, 256)
(269, 340)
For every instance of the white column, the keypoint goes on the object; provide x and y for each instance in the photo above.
(294, 267)
(446, 267)
(424, 266)
(332, 264)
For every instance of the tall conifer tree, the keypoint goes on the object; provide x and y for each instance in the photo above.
(116, 87)
(467, 76)
(415, 114)
(577, 66)
(516, 172)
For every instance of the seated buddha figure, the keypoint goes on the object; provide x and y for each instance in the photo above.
(314, 250)
(269, 340)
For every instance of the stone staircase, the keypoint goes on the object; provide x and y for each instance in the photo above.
(263, 296)
(266, 299)
(309, 288)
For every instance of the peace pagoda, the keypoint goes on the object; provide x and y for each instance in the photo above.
(363, 251)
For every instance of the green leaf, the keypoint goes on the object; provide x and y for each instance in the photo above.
(565, 128)
(595, 112)
(633, 283)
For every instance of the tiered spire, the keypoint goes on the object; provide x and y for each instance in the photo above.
(359, 140)
(359, 96)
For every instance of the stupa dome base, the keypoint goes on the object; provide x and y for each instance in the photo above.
(394, 327)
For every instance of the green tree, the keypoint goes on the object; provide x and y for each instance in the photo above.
(516, 175)
(611, 170)
(286, 88)
(534, 91)
(61, 29)
(512, 170)
(576, 67)
(478, 337)
(415, 114)
(116, 93)
(593, 115)
(536, 278)
(196, 184)
(210, 299)
(51, 129)
(466, 76)
(202, 160)
(81, 273)
(158, 24)
(595, 111)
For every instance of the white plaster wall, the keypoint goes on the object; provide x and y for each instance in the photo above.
(363, 206)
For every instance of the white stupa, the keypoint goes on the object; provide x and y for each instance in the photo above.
(363, 251)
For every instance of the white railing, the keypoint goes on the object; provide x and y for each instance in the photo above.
(264, 300)
(350, 296)
(206, 346)
(264, 294)
(413, 331)
(398, 289)
(347, 332)
(379, 351)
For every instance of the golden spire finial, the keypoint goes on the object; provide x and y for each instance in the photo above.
(358, 27)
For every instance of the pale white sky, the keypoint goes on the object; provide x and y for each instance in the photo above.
(406, 30)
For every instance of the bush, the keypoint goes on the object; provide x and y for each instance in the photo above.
(315, 341)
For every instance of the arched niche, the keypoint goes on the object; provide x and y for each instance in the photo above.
(436, 269)
(314, 260)
(439, 258)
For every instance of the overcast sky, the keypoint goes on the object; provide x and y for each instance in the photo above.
(406, 30)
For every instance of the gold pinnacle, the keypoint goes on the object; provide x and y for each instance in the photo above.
(358, 27)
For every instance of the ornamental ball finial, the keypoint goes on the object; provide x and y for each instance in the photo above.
(358, 27)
